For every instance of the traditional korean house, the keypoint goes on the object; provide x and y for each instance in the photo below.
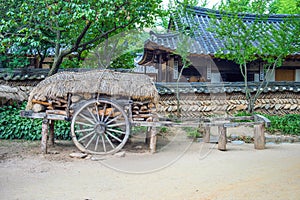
(203, 45)
(211, 85)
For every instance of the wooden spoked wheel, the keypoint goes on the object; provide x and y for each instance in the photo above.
(100, 127)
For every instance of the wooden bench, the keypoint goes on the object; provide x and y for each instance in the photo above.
(258, 121)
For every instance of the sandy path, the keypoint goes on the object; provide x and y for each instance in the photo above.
(239, 173)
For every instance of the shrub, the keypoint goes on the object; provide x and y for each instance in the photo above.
(192, 132)
(287, 124)
(13, 126)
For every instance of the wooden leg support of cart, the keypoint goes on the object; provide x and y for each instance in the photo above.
(51, 132)
(151, 138)
(45, 124)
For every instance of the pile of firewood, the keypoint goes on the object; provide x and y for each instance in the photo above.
(55, 104)
(143, 111)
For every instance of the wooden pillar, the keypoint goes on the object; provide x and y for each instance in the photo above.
(222, 138)
(51, 132)
(259, 137)
(206, 135)
(44, 135)
(160, 71)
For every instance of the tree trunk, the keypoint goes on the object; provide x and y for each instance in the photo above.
(251, 103)
(55, 66)
(177, 91)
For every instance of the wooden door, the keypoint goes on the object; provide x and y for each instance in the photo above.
(285, 75)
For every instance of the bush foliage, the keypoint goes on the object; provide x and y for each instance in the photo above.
(287, 124)
(13, 126)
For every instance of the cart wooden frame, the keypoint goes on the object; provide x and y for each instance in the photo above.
(97, 127)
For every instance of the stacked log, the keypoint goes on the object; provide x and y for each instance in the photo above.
(56, 105)
(143, 110)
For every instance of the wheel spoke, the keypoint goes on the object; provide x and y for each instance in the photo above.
(103, 142)
(113, 136)
(116, 131)
(112, 120)
(91, 113)
(85, 117)
(109, 141)
(84, 130)
(85, 124)
(97, 112)
(86, 136)
(103, 114)
(88, 144)
(97, 141)
(114, 125)
(112, 110)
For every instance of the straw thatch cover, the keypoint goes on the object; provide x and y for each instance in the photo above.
(136, 86)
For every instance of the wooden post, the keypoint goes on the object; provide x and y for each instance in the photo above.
(222, 138)
(44, 135)
(206, 134)
(152, 135)
(259, 137)
(51, 132)
(153, 139)
(148, 135)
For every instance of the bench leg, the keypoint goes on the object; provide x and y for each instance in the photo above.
(206, 134)
(44, 135)
(259, 137)
(222, 138)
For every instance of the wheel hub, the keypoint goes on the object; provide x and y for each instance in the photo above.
(100, 128)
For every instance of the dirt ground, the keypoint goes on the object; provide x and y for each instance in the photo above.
(181, 169)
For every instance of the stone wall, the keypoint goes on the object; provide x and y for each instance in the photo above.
(197, 105)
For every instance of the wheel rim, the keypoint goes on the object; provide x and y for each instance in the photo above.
(100, 127)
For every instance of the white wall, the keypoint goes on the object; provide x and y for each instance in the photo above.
(215, 77)
(297, 78)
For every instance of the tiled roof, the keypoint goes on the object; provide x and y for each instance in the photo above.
(23, 74)
(163, 88)
(228, 87)
(203, 42)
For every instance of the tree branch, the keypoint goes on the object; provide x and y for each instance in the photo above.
(106, 34)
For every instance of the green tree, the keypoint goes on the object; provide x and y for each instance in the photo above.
(285, 7)
(176, 9)
(71, 26)
(244, 43)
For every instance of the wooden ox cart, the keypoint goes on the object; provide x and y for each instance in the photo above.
(102, 106)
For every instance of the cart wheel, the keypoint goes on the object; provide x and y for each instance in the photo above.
(100, 127)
